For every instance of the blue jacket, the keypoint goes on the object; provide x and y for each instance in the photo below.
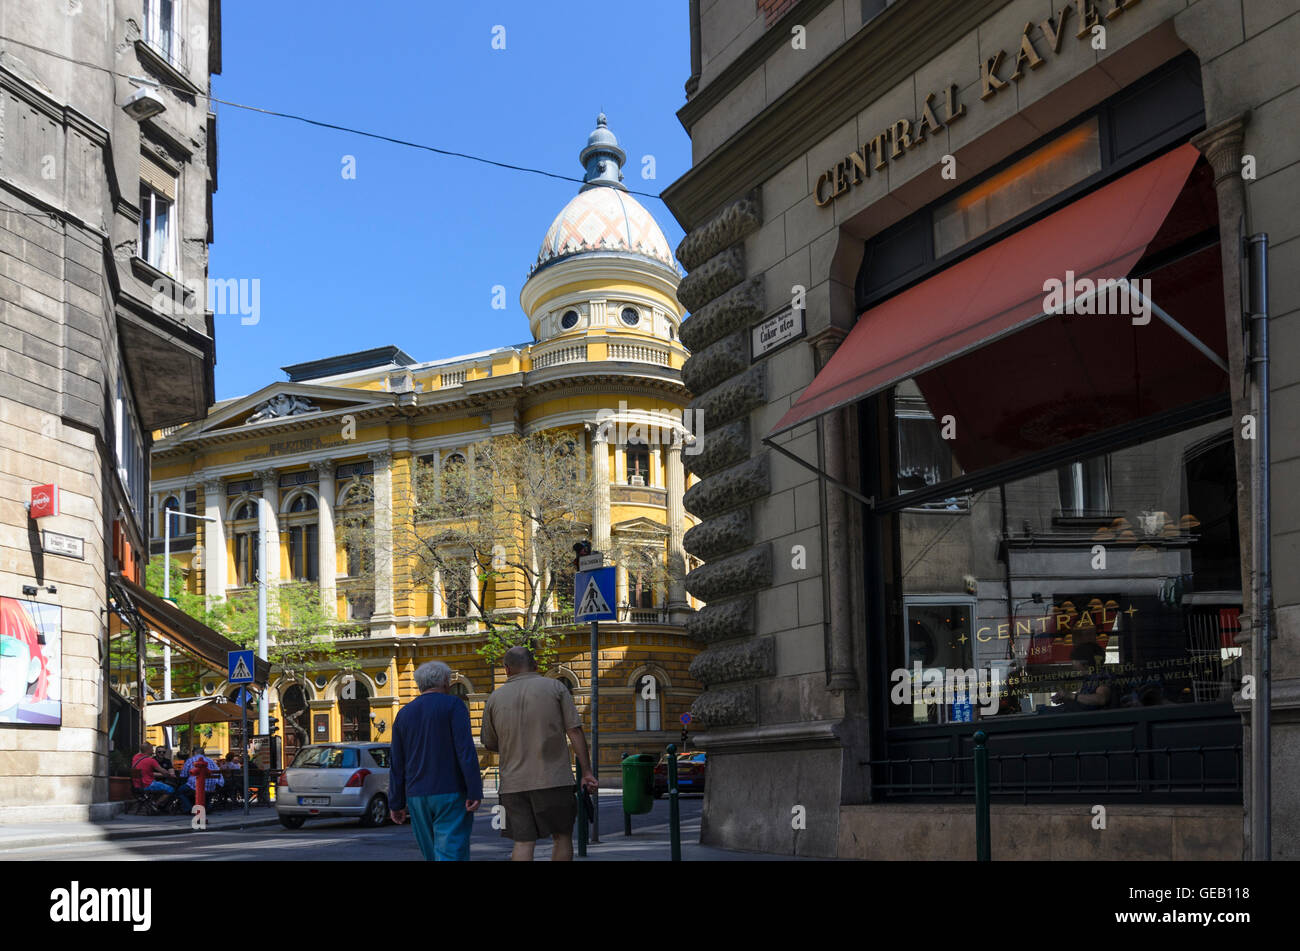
(433, 751)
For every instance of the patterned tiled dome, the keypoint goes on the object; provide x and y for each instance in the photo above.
(603, 216)
(604, 219)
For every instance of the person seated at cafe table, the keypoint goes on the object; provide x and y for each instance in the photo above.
(151, 771)
(213, 780)
(1097, 691)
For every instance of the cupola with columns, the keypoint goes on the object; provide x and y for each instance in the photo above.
(604, 267)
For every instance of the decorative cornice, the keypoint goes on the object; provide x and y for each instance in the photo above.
(906, 35)
(751, 58)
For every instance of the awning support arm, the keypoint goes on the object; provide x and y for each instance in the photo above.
(866, 500)
(1183, 332)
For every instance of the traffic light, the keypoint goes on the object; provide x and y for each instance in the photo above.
(272, 724)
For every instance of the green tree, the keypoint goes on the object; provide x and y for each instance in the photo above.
(511, 516)
(301, 632)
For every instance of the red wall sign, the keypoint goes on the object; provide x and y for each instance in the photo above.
(45, 501)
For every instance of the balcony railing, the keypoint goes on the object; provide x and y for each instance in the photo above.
(639, 353)
(570, 354)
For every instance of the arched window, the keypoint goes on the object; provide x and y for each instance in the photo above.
(244, 539)
(638, 463)
(171, 504)
(455, 589)
(304, 539)
(641, 580)
(354, 714)
(647, 708)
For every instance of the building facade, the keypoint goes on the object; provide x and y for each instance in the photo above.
(344, 437)
(103, 208)
(969, 326)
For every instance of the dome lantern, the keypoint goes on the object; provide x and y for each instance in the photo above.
(602, 158)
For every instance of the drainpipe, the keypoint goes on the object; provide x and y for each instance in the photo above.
(1261, 715)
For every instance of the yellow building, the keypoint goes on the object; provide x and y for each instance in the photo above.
(342, 436)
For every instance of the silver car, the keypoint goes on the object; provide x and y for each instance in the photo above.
(335, 779)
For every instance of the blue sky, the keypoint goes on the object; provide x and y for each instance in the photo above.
(407, 252)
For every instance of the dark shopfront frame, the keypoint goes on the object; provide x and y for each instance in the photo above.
(1168, 754)
(1176, 753)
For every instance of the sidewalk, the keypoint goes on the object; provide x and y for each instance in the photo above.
(43, 834)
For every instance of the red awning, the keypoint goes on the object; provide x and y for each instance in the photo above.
(999, 291)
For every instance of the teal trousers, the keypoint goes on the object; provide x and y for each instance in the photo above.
(442, 826)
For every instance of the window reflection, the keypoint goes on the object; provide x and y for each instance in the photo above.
(1109, 584)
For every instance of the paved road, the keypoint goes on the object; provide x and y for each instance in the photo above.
(332, 840)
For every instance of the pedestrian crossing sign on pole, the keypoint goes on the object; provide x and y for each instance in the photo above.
(593, 595)
(240, 666)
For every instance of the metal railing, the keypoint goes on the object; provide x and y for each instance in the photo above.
(1056, 774)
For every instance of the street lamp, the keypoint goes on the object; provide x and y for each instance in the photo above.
(167, 593)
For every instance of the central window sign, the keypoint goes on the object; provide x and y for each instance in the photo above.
(776, 331)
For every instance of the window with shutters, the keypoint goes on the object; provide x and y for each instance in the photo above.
(157, 216)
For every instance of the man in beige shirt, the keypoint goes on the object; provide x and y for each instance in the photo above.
(525, 721)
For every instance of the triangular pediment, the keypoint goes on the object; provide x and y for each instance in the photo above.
(640, 526)
(279, 404)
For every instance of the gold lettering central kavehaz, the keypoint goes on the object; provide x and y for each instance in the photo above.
(905, 134)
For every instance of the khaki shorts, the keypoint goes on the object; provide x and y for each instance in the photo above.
(539, 813)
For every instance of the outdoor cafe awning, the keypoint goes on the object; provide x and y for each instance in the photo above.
(181, 712)
(191, 635)
(978, 342)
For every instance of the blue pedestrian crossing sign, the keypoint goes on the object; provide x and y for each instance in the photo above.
(593, 595)
(240, 666)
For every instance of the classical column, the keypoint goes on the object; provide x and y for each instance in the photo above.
(439, 597)
(1222, 145)
(214, 538)
(271, 494)
(675, 480)
(473, 611)
(600, 473)
(620, 589)
(383, 492)
(835, 570)
(327, 568)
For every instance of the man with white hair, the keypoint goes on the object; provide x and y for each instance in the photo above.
(434, 777)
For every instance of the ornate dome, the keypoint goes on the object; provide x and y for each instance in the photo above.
(603, 216)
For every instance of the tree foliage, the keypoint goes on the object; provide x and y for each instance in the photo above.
(301, 631)
(510, 512)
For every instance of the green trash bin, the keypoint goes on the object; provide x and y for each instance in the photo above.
(638, 783)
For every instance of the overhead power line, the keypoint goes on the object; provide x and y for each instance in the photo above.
(180, 90)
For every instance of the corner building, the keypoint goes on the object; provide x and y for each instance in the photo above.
(602, 308)
(102, 212)
(969, 328)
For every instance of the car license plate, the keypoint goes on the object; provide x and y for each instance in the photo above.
(313, 800)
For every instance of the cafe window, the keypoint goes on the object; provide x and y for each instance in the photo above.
(1065, 161)
(1161, 109)
(1135, 612)
(936, 639)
